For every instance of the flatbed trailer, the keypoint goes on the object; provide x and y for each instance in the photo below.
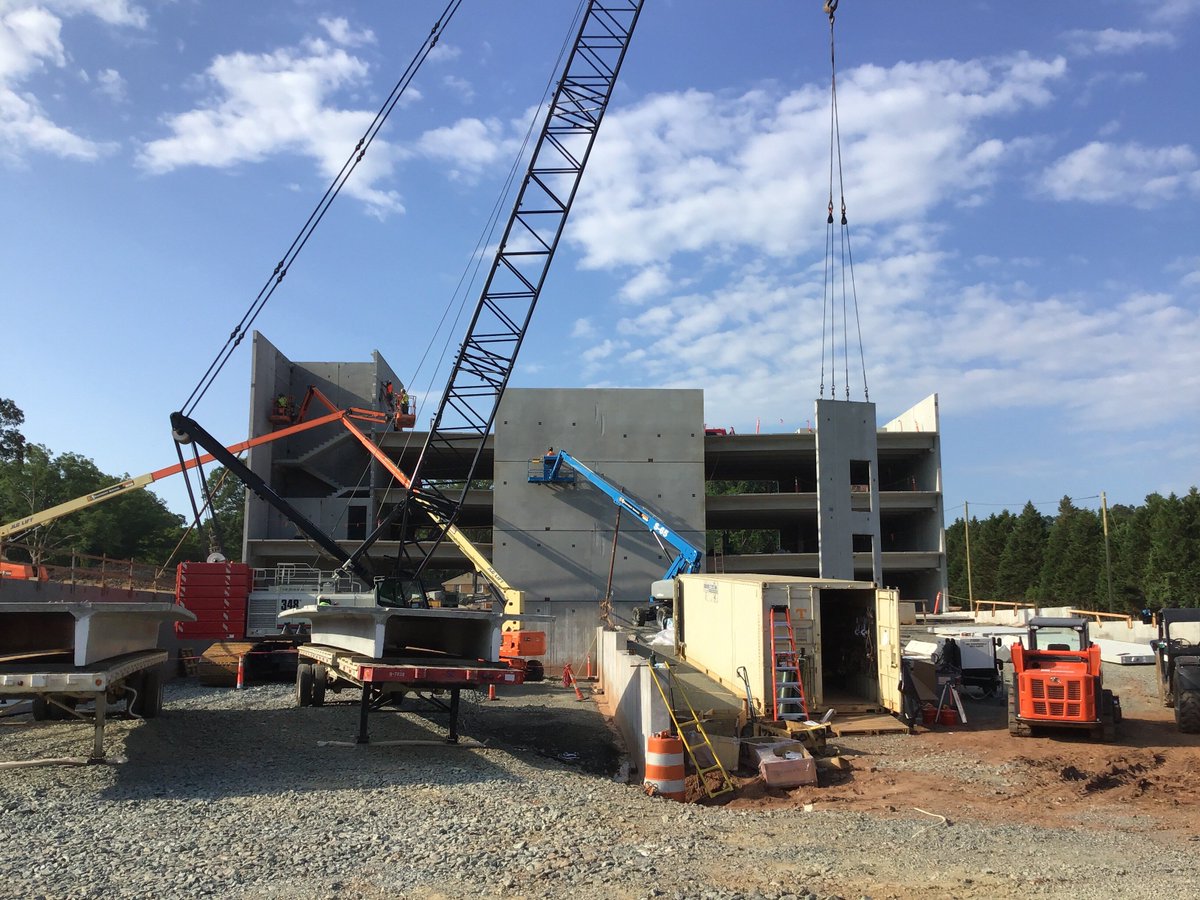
(55, 685)
(382, 680)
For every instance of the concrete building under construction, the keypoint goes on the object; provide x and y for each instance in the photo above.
(844, 499)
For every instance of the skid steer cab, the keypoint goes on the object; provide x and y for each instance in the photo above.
(1057, 682)
(1177, 663)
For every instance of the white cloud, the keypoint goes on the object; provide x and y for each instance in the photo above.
(469, 145)
(444, 52)
(31, 41)
(29, 38)
(652, 281)
(1171, 12)
(1130, 174)
(1118, 362)
(732, 190)
(110, 83)
(340, 31)
(599, 352)
(460, 86)
(278, 102)
(1111, 41)
(111, 12)
(696, 172)
(582, 328)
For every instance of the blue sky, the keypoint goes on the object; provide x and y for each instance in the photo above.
(1021, 179)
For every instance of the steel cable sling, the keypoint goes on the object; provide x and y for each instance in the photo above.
(335, 187)
(488, 354)
(829, 299)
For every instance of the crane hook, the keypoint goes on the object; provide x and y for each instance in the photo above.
(830, 8)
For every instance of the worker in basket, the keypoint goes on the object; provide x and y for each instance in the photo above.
(403, 402)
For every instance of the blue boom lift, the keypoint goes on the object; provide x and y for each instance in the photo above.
(562, 468)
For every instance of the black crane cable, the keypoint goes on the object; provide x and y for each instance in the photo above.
(339, 181)
(847, 260)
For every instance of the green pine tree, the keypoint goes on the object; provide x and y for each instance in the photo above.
(1019, 572)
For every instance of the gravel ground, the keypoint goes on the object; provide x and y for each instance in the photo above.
(228, 794)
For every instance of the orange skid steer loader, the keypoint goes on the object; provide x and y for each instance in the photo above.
(1057, 683)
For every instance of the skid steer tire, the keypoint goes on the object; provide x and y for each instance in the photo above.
(1187, 711)
(1109, 717)
(1016, 727)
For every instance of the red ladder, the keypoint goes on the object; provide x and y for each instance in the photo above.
(787, 687)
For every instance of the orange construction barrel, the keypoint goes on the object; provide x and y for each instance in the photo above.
(664, 766)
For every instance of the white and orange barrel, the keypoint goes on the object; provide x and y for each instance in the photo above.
(664, 765)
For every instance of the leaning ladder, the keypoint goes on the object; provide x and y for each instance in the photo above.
(787, 686)
(693, 722)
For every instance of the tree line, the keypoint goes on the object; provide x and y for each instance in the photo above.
(136, 525)
(1150, 559)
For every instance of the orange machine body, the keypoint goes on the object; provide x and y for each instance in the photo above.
(1058, 687)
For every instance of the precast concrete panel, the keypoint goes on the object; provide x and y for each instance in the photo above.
(555, 541)
(846, 434)
(269, 377)
(313, 467)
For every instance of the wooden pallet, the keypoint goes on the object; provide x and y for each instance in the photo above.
(867, 723)
(217, 667)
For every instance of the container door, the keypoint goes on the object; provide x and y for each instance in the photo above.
(806, 628)
(887, 657)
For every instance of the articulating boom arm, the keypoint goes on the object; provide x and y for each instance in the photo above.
(688, 560)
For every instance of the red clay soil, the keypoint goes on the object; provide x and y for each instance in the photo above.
(1146, 782)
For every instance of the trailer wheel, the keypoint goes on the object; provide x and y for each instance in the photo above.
(304, 684)
(320, 680)
(1187, 711)
(152, 692)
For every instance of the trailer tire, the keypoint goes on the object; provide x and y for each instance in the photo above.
(152, 692)
(320, 681)
(147, 702)
(534, 670)
(304, 684)
(1187, 711)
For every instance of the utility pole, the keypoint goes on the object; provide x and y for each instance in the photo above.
(967, 538)
(1107, 553)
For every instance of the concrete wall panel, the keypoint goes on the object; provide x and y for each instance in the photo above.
(555, 542)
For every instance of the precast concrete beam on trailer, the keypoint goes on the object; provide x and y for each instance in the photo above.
(91, 631)
(380, 631)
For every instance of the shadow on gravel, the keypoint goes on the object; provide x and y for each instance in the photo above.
(213, 754)
(542, 720)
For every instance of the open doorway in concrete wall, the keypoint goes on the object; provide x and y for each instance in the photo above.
(849, 677)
